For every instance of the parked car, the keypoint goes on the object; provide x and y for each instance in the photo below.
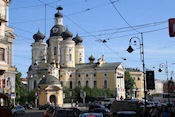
(43, 107)
(18, 110)
(125, 114)
(91, 115)
(28, 106)
(95, 105)
(104, 111)
(64, 113)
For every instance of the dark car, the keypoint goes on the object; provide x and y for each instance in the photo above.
(95, 105)
(43, 107)
(64, 113)
(27, 106)
(104, 111)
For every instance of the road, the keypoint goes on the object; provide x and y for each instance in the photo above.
(32, 113)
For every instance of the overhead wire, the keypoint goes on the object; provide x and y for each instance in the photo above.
(122, 16)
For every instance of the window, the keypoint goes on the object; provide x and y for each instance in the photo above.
(105, 84)
(61, 75)
(2, 54)
(79, 84)
(70, 57)
(138, 78)
(70, 84)
(55, 50)
(78, 75)
(70, 75)
(80, 59)
(80, 54)
(105, 74)
(95, 84)
(94, 74)
(87, 83)
(86, 75)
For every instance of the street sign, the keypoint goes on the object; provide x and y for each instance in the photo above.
(172, 27)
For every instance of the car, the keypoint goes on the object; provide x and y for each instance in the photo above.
(28, 106)
(125, 114)
(43, 107)
(18, 110)
(95, 105)
(64, 113)
(104, 111)
(91, 115)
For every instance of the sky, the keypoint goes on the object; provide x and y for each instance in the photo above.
(97, 20)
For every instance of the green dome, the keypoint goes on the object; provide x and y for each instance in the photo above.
(49, 80)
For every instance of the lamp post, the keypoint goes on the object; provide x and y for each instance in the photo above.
(165, 66)
(130, 50)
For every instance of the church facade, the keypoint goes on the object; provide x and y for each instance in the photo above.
(62, 60)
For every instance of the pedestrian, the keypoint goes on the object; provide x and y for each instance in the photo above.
(76, 104)
(165, 113)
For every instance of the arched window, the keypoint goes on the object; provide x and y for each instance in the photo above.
(70, 84)
(87, 83)
(79, 84)
(95, 84)
(35, 84)
(105, 84)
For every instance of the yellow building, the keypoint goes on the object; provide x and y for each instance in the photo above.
(138, 92)
(7, 36)
(63, 57)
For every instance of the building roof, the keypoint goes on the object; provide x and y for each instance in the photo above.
(113, 65)
(67, 34)
(132, 69)
(57, 30)
(49, 79)
(38, 36)
(77, 39)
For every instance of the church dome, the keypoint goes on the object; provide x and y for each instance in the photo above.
(77, 39)
(38, 36)
(67, 34)
(49, 80)
(91, 58)
(58, 14)
(57, 30)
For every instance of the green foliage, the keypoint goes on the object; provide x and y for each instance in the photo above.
(21, 90)
(31, 96)
(129, 81)
(91, 92)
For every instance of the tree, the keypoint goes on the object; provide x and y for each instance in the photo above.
(129, 81)
(21, 90)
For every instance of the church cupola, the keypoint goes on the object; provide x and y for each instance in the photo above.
(58, 28)
(79, 50)
(59, 17)
(67, 50)
(67, 35)
(77, 39)
(38, 37)
(91, 59)
(38, 48)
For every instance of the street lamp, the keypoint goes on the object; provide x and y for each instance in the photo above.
(165, 66)
(130, 50)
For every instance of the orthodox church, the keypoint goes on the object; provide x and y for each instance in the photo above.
(60, 62)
